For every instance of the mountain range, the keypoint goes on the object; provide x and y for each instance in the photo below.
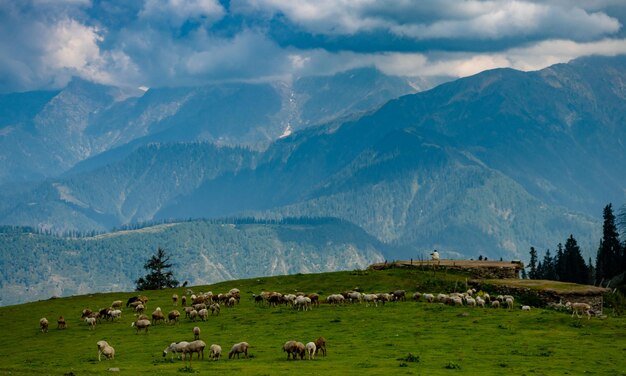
(485, 165)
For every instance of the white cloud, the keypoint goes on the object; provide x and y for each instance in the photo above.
(177, 12)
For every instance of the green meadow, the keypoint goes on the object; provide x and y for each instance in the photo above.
(403, 338)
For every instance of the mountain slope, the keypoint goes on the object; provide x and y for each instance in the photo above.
(202, 252)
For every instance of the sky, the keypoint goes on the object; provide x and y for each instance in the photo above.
(156, 43)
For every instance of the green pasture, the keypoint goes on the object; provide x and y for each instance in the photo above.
(404, 338)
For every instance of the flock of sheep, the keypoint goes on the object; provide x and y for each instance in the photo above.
(201, 304)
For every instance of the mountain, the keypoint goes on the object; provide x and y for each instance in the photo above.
(202, 252)
(45, 134)
(486, 165)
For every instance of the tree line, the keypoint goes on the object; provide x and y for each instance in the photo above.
(568, 265)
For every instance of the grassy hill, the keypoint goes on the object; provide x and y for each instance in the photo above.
(361, 340)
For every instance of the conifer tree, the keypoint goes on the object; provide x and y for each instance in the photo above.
(532, 273)
(575, 268)
(549, 267)
(159, 276)
(609, 257)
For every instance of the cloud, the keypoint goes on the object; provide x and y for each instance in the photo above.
(43, 43)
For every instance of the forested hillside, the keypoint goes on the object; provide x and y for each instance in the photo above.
(37, 266)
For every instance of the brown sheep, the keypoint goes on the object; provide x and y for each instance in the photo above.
(61, 323)
(173, 316)
(196, 332)
(239, 348)
(320, 345)
(293, 349)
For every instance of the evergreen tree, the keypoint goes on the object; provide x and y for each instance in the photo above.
(574, 265)
(559, 263)
(532, 273)
(549, 267)
(609, 258)
(159, 276)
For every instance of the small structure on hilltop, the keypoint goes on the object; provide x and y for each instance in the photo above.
(476, 268)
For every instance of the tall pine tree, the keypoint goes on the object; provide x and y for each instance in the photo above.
(532, 273)
(609, 257)
(575, 268)
(159, 276)
(549, 267)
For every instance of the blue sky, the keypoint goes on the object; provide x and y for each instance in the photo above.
(43, 43)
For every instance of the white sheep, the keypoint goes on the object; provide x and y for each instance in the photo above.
(203, 314)
(114, 314)
(215, 352)
(196, 332)
(117, 304)
(215, 308)
(196, 346)
(43, 325)
(175, 348)
(525, 308)
(141, 324)
(495, 304)
(369, 299)
(579, 308)
(106, 349)
(509, 303)
(480, 302)
(302, 302)
(429, 298)
(239, 348)
(310, 350)
(175, 299)
(91, 322)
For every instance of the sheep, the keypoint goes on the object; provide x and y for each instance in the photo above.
(196, 332)
(188, 311)
(199, 306)
(429, 298)
(495, 304)
(115, 314)
(193, 315)
(384, 297)
(480, 301)
(293, 349)
(215, 308)
(106, 349)
(237, 349)
(302, 302)
(525, 308)
(157, 316)
(61, 324)
(175, 299)
(399, 295)
(139, 308)
(196, 346)
(354, 296)
(215, 352)
(369, 299)
(509, 303)
(310, 350)
(320, 345)
(579, 308)
(417, 296)
(141, 324)
(86, 313)
(174, 348)
(335, 299)
(203, 314)
(183, 301)
(91, 322)
(315, 299)
(470, 301)
(117, 304)
(43, 324)
(173, 316)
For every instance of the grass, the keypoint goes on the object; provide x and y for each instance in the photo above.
(408, 338)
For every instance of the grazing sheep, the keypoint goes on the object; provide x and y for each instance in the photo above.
(315, 299)
(354, 297)
(578, 308)
(196, 346)
(175, 348)
(369, 299)
(183, 301)
(399, 295)
(91, 322)
(175, 299)
(310, 350)
(196, 332)
(193, 315)
(417, 296)
(509, 303)
(188, 311)
(495, 304)
(302, 302)
(384, 297)
(320, 345)
(141, 324)
(61, 324)
(203, 314)
(215, 352)
(335, 299)
(106, 349)
(294, 349)
(157, 316)
(114, 314)
(43, 324)
(173, 316)
(470, 301)
(237, 349)
(117, 304)
(525, 308)
(215, 308)
(429, 298)
(86, 313)
(139, 308)
(480, 302)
